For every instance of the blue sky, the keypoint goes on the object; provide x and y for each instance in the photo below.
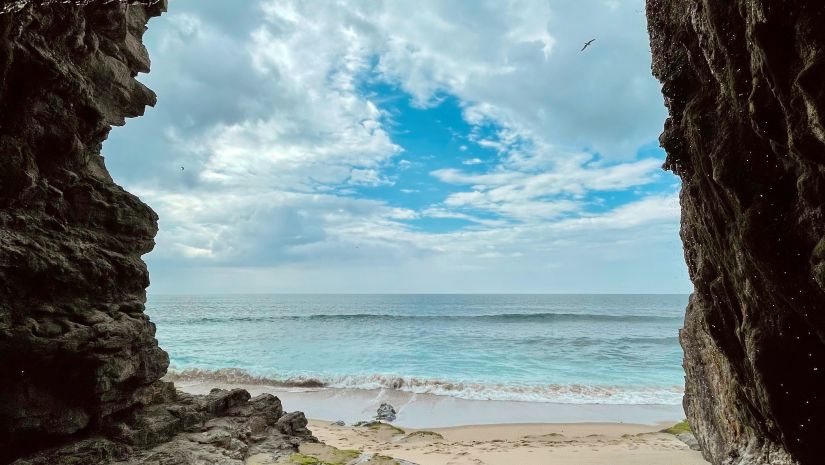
(442, 146)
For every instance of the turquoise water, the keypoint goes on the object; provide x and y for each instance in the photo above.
(614, 349)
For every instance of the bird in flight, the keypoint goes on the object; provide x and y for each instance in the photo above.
(587, 44)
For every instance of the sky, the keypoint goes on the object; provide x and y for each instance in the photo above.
(403, 147)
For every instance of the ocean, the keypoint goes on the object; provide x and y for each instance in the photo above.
(572, 349)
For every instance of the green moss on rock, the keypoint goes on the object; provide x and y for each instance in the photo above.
(679, 428)
(378, 426)
(322, 454)
(302, 459)
(426, 435)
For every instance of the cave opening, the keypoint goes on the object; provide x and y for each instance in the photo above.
(346, 177)
(381, 208)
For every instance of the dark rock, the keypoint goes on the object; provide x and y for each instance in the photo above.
(158, 434)
(386, 412)
(75, 346)
(743, 81)
(153, 425)
(293, 424)
(265, 406)
(95, 450)
(219, 401)
(79, 363)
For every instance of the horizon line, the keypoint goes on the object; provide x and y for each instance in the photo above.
(418, 293)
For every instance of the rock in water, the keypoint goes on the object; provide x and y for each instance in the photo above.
(386, 412)
(744, 82)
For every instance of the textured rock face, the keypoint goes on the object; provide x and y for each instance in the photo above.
(744, 81)
(223, 427)
(75, 346)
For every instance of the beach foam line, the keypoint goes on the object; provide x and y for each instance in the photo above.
(504, 317)
(550, 393)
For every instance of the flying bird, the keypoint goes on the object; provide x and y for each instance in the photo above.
(587, 44)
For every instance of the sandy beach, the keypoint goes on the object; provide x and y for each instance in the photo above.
(511, 444)
(441, 430)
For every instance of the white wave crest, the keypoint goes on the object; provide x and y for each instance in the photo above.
(551, 393)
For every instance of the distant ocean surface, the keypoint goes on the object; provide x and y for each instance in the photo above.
(606, 349)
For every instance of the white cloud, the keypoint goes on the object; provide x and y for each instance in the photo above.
(369, 177)
(519, 63)
(532, 186)
(263, 107)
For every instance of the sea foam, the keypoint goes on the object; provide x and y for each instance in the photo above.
(552, 393)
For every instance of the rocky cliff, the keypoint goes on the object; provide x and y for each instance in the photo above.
(79, 362)
(744, 81)
(75, 345)
(80, 367)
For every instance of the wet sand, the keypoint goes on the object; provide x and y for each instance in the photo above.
(431, 411)
(439, 430)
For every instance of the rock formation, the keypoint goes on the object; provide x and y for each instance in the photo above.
(744, 81)
(79, 362)
(174, 428)
(75, 345)
(80, 367)
(385, 412)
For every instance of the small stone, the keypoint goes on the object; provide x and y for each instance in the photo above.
(386, 412)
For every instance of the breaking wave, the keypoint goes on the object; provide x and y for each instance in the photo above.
(552, 393)
(503, 318)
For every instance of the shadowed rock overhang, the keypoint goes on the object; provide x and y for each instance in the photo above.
(744, 81)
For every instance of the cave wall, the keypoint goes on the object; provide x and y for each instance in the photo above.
(75, 345)
(744, 82)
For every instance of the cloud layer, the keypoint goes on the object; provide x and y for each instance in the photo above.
(303, 173)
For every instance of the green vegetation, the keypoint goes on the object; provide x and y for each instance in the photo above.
(679, 428)
(378, 426)
(302, 459)
(382, 460)
(424, 434)
(331, 456)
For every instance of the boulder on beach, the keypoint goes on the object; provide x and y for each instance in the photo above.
(386, 412)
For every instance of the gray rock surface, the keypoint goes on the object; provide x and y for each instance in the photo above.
(690, 440)
(223, 427)
(385, 412)
(744, 84)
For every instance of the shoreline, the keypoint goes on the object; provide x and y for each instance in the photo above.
(437, 430)
(437, 411)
